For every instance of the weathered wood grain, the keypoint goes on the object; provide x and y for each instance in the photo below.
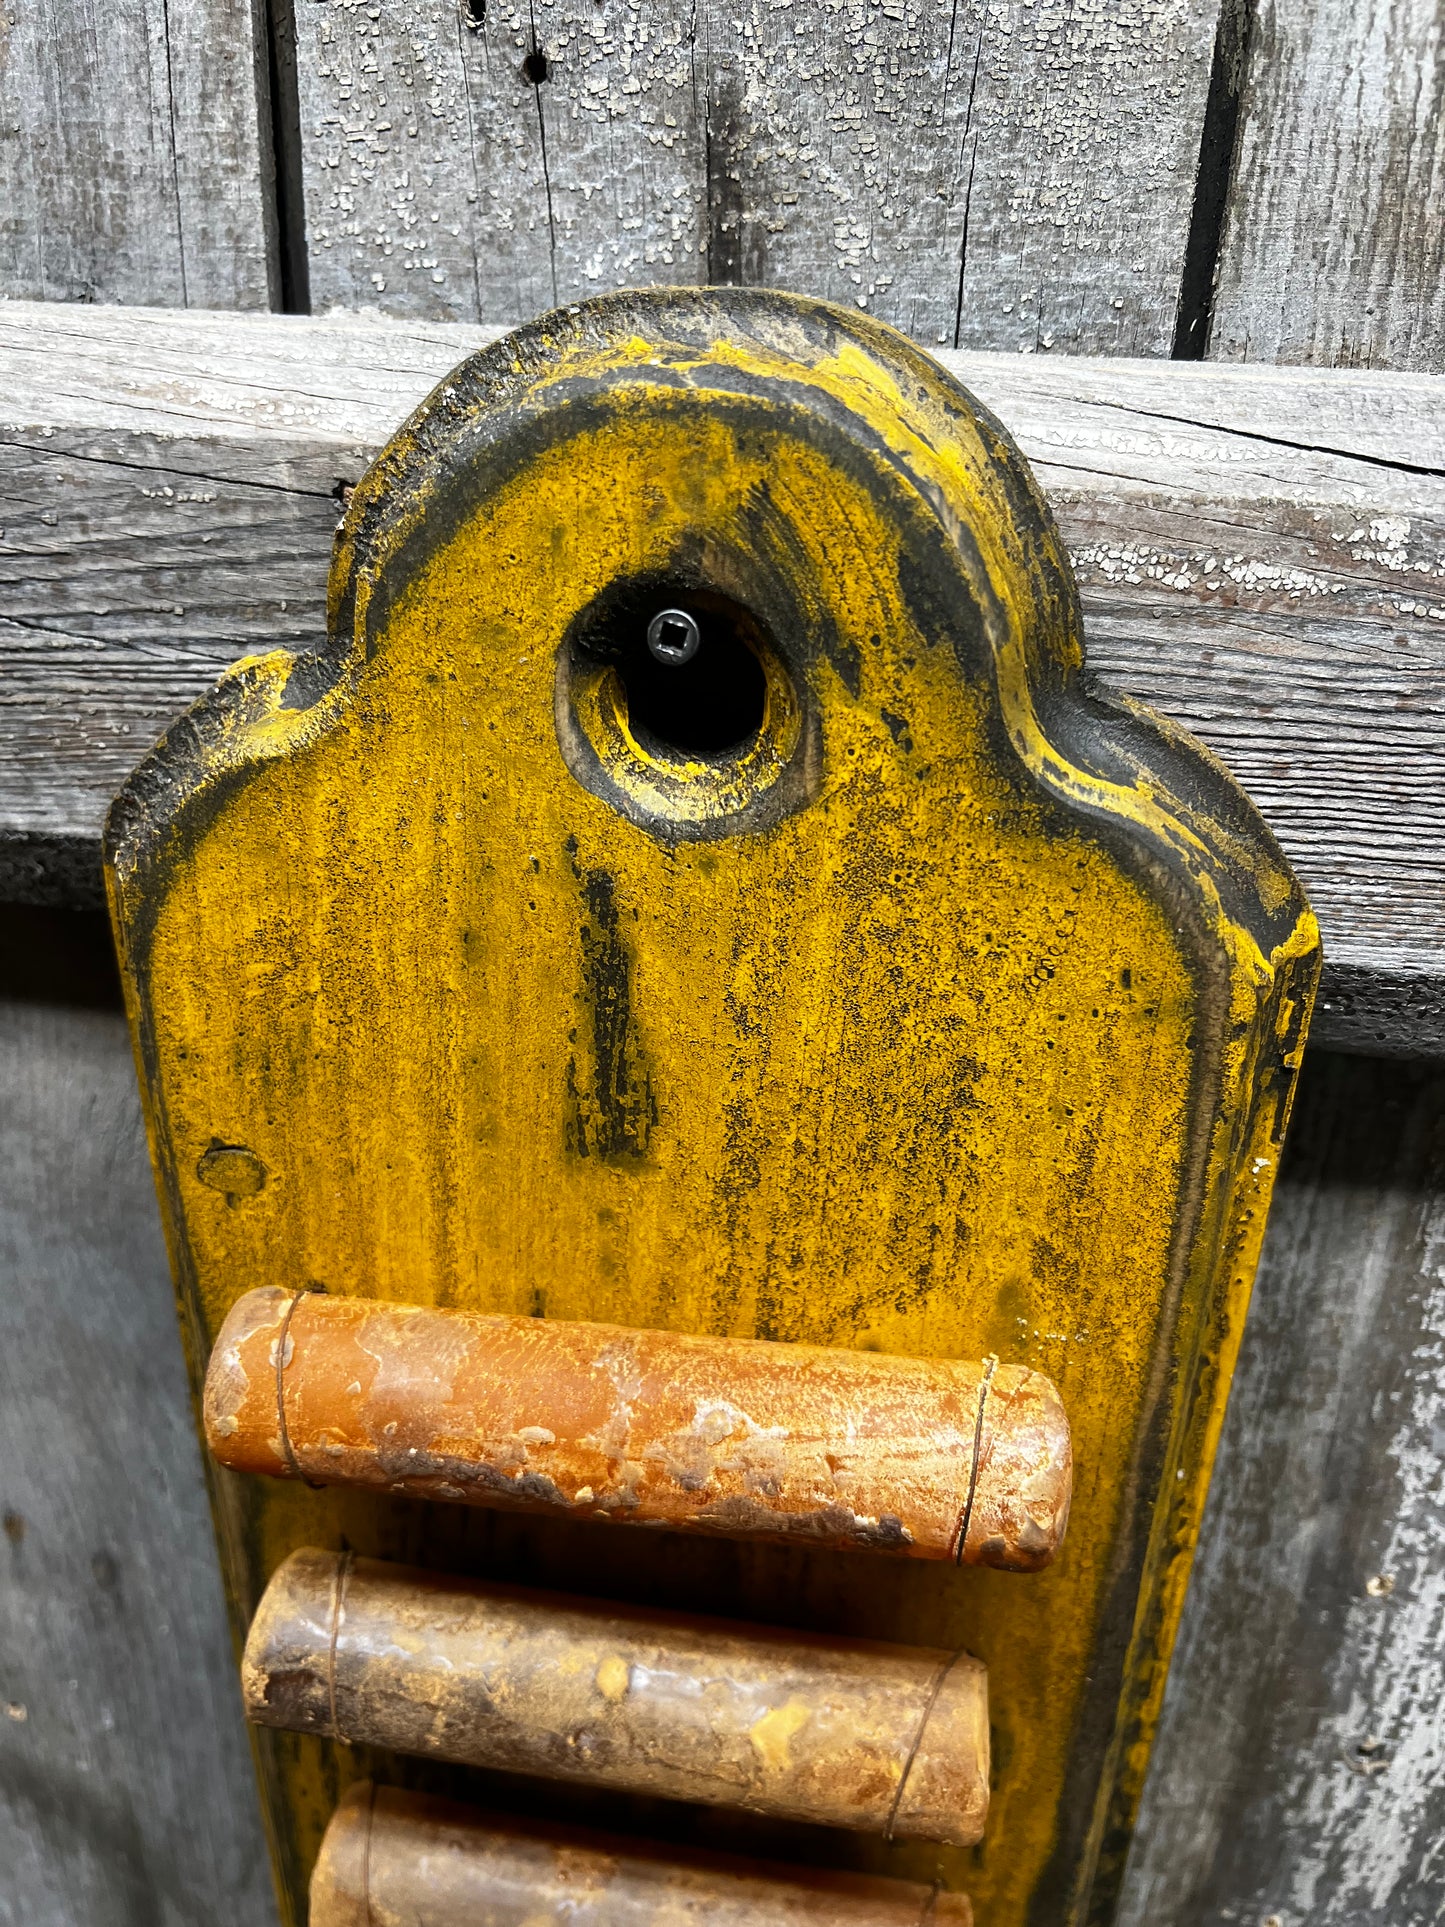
(442, 181)
(1300, 1771)
(1261, 551)
(134, 153)
(1334, 245)
(126, 1792)
(997, 176)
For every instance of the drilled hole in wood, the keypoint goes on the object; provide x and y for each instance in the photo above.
(713, 702)
(674, 704)
(536, 67)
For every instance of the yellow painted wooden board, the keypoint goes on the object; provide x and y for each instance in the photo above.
(956, 1011)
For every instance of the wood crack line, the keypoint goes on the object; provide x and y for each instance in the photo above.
(286, 1445)
(542, 145)
(338, 1608)
(1273, 441)
(990, 1366)
(152, 468)
(928, 1705)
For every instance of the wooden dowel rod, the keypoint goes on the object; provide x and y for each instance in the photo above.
(929, 1458)
(392, 1859)
(839, 1732)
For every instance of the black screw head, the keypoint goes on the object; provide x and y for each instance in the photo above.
(673, 636)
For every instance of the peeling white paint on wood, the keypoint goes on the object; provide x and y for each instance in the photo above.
(442, 181)
(994, 174)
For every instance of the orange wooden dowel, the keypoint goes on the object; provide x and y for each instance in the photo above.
(929, 1458)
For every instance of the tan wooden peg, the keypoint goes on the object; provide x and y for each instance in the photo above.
(392, 1859)
(889, 1740)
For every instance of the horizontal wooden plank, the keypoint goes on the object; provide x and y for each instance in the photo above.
(1261, 553)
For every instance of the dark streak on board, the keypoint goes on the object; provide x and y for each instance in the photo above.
(611, 1108)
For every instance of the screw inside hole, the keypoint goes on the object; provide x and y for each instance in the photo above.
(692, 678)
(678, 707)
(673, 636)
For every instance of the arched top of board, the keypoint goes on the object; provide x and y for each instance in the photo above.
(698, 889)
(705, 400)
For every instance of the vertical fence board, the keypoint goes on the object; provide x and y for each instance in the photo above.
(1004, 175)
(442, 180)
(1014, 175)
(1300, 1769)
(1334, 244)
(126, 1793)
(133, 166)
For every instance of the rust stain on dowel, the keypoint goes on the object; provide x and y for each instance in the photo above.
(889, 1740)
(392, 1859)
(933, 1458)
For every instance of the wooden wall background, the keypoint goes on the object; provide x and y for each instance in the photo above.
(1235, 179)
(1214, 181)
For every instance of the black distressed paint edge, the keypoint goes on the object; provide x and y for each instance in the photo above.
(1213, 179)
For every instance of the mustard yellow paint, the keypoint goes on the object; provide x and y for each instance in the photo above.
(614, 1676)
(979, 1044)
(774, 1732)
